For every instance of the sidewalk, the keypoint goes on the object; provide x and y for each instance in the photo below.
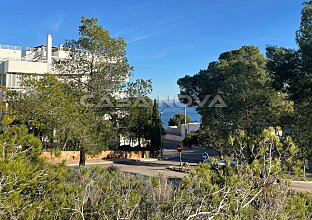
(301, 186)
(74, 163)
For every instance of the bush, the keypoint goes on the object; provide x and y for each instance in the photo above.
(32, 189)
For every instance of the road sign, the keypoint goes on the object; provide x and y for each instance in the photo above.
(179, 148)
(205, 156)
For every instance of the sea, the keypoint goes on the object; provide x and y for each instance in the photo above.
(168, 111)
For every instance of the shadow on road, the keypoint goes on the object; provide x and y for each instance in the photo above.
(142, 163)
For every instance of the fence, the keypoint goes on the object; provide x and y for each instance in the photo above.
(10, 47)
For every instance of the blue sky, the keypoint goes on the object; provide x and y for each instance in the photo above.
(167, 39)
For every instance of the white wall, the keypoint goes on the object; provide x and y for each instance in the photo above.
(192, 127)
(60, 54)
(189, 128)
(5, 53)
(12, 66)
(174, 130)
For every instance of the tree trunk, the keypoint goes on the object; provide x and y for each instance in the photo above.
(139, 141)
(82, 160)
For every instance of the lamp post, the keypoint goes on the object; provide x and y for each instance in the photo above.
(185, 120)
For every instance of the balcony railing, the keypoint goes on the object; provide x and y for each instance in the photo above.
(10, 47)
(22, 59)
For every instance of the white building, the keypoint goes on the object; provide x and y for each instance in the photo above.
(189, 127)
(16, 61)
(184, 129)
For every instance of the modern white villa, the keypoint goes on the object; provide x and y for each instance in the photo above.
(16, 61)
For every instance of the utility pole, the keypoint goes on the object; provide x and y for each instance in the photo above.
(161, 138)
(185, 115)
(185, 120)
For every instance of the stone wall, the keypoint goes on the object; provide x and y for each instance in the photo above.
(75, 155)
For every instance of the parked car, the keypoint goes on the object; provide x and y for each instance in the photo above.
(221, 164)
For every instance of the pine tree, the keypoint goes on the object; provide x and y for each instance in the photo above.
(156, 129)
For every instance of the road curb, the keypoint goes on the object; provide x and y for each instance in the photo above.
(300, 181)
(144, 160)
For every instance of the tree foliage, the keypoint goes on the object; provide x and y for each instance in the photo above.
(304, 37)
(241, 79)
(52, 110)
(291, 71)
(258, 92)
(136, 124)
(29, 189)
(178, 120)
(156, 129)
(82, 103)
(32, 189)
(284, 69)
(97, 62)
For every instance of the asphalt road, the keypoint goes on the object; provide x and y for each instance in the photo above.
(158, 166)
(189, 155)
(155, 167)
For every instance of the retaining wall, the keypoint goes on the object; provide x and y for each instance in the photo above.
(75, 155)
